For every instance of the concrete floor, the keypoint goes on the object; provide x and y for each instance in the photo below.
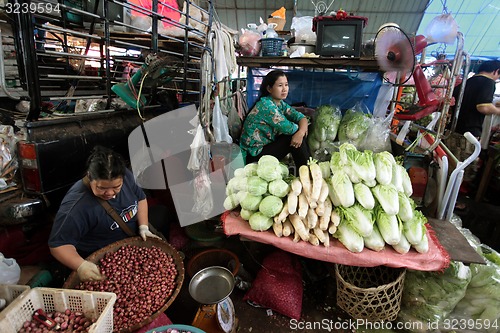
(318, 305)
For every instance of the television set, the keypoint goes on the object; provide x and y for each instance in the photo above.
(339, 38)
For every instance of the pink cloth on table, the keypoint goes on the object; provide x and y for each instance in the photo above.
(436, 259)
(161, 320)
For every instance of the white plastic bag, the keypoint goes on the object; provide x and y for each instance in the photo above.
(302, 27)
(219, 121)
(10, 272)
(442, 29)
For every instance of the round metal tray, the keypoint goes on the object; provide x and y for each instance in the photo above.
(73, 279)
(211, 285)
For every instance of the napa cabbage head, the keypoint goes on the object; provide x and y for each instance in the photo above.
(245, 214)
(260, 222)
(271, 206)
(383, 165)
(256, 185)
(269, 171)
(343, 189)
(284, 170)
(251, 169)
(387, 196)
(278, 188)
(364, 195)
(349, 237)
(251, 202)
(388, 225)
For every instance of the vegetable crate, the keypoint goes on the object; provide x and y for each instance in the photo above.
(370, 293)
(94, 305)
(9, 292)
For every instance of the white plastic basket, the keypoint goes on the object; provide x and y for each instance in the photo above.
(9, 292)
(94, 305)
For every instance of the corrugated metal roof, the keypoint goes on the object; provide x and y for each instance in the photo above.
(478, 20)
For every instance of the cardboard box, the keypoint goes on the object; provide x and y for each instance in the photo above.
(279, 21)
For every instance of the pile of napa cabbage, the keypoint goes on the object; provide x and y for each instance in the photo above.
(258, 188)
(371, 193)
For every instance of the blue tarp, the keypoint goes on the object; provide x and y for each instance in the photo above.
(317, 88)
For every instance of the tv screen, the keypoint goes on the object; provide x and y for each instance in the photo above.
(339, 38)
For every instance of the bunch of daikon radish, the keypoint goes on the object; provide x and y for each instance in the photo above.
(308, 212)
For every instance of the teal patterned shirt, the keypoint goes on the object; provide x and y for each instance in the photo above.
(266, 121)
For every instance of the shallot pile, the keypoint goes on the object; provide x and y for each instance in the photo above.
(142, 278)
(68, 321)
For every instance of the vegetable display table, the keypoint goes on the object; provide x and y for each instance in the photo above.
(436, 259)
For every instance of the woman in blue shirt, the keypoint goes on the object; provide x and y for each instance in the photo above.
(82, 225)
(273, 127)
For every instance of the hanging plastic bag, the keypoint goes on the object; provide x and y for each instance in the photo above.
(302, 27)
(198, 164)
(235, 122)
(442, 29)
(377, 137)
(249, 42)
(219, 121)
(10, 272)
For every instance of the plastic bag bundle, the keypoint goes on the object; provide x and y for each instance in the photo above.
(429, 297)
(10, 272)
(249, 43)
(354, 125)
(442, 29)
(324, 130)
(221, 128)
(377, 137)
(302, 27)
(482, 298)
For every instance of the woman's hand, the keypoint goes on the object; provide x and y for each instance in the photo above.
(298, 137)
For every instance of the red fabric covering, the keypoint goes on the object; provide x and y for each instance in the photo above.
(167, 8)
(161, 320)
(437, 259)
(278, 285)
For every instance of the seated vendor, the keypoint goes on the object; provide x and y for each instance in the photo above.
(82, 225)
(272, 127)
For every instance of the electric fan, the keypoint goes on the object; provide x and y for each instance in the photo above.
(395, 52)
(156, 71)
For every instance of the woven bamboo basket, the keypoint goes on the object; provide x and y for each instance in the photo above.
(370, 293)
(73, 279)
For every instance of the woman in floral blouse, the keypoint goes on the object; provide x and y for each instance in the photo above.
(273, 127)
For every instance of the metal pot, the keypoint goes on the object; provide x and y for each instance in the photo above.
(308, 48)
(211, 285)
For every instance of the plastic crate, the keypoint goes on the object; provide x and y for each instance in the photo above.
(94, 305)
(9, 292)
(272, 47)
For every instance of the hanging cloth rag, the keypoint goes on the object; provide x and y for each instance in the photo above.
(225, 58)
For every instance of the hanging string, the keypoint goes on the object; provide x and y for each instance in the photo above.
(445, 7)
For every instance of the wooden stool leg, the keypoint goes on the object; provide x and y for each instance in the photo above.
(485, 179)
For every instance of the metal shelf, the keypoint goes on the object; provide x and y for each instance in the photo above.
(363, 64)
